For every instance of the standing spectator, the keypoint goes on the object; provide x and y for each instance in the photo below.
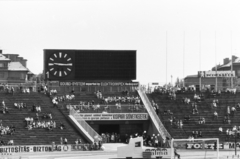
(164, 143)
(176, 154)
(228, 110)
(12, 90)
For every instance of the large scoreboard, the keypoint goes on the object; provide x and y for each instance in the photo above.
(89, 64)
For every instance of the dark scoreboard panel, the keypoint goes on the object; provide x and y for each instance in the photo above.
(90, 64)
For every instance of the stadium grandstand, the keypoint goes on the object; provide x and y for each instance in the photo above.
(90, 99)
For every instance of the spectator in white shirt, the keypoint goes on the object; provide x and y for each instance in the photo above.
(215, 115)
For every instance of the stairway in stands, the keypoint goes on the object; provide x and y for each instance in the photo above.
(36, 136)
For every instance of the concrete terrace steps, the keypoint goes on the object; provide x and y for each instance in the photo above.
(210, 129)
(42, 136)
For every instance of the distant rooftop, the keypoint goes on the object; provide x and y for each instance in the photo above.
(16, 66)
(191, 76)
(3, 58)
(237, 60)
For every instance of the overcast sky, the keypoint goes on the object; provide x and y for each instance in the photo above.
(28, 27)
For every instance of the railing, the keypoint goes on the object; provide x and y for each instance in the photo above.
(85, 125)
(111, 109)
(157, 122)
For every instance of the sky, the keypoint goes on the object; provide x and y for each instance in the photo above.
(173, 38)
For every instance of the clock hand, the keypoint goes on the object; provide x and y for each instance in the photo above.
(60, 64)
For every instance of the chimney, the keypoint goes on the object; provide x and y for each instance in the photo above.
(226, 61)
(234, 58)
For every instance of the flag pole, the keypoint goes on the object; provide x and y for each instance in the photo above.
(231, 63)
(183, 56)
(200, 78)
(166, 60)
(216, 85)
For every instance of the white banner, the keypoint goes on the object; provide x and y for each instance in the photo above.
(35, 148)
(225, 145)
(111, 116)
(207, 74)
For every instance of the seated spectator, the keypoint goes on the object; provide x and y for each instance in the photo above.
(180, 124)
(214, 105)
(65, 141)
(194, 111)
(38, 109)
(233, 110)
(171, 120)
(165, 112)
(187, 118)
(29, 127)
(234, 128)
(33, 108)
(10, 142)
(98, 106)
(215, 115)
(118, 105)
(200, 134)
(238, 105)
(62, 126)
(220, 130)
(28, 90)
(104, 112)
(229, 121)
(76, 142)
(44, 116)
(106, 108)
(5, 110)
(50, 116)
(187, 100)
(225, 120)
(169, 112)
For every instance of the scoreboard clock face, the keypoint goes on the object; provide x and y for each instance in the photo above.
(60, 64)
(64, 64)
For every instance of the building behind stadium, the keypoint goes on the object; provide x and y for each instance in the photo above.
(13, 69)
(225, 70)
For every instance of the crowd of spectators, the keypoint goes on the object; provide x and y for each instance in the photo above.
(154, 140)
(5, 143)
(198, 98)
(111, 138)
(230, 132)
(36, 108)
(126, 98)
(7, 130)
(32, 124)
(20, 105)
